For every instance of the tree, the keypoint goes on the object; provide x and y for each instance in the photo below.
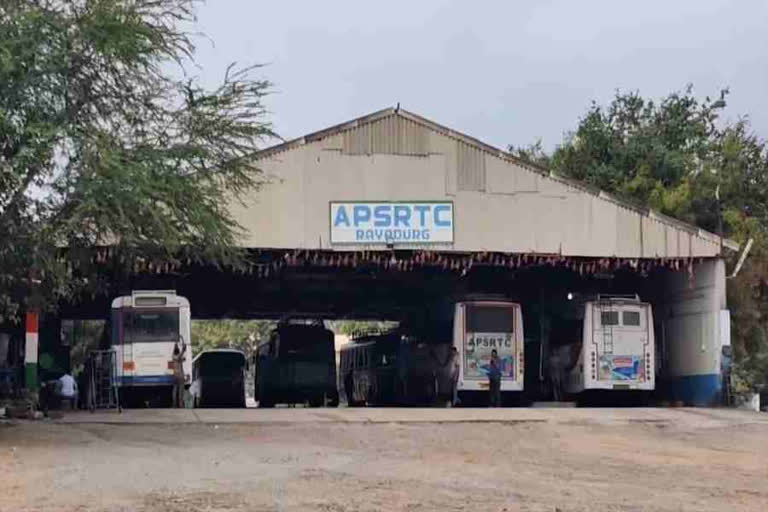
(678, 157)
(354, 328)
(106, 140)
(242, 335)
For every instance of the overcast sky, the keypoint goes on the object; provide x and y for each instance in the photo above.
(502, 71)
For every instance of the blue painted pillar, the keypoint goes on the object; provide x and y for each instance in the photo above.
(696, 326)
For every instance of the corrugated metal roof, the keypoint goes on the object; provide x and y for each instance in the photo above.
(397, 131)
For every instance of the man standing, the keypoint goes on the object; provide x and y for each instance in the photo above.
(453, 361)
(179, 349)
(494, 379)
(726, 364)
(557, 371)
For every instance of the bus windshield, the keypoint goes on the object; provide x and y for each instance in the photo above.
(490, 319)
(489, 328)
(221, 364)
(145, 326)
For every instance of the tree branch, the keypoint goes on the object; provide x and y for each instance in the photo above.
(18, 194)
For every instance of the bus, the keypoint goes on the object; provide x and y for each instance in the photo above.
(481, 326)
(616, 347)
(297, 365)
(218, 378)
(146, 326)
(411, 365)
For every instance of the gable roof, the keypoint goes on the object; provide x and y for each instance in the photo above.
(498, 153)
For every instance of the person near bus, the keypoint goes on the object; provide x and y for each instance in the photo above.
(556, 369)
(67, 389)
(179, 349)
(349, 387)
(453, 361)
(494, 380)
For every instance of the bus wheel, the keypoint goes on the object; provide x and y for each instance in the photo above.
(266, 405)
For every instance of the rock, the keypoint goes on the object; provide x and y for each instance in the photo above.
(34, 415)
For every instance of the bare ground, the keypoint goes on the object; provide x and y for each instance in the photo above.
(568, 464)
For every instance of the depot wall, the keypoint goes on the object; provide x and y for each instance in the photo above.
(499, 205)
(694, 328)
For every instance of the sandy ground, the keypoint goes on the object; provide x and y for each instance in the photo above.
(594, 460)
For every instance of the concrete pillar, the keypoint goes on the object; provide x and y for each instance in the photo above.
(30, 350)
(695, 324)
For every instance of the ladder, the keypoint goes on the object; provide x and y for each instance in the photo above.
(102, 380)
(607, 331)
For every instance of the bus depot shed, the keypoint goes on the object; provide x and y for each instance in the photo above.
(388, 213)
(396, 192)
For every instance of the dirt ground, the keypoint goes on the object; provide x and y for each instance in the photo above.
(568, 464)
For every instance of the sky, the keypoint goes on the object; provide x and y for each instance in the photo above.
(506, 72)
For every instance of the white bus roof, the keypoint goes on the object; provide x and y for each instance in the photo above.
(165, 298)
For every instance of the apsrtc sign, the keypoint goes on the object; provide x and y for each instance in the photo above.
(371, 223)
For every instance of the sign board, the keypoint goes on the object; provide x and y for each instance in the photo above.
(371, 223)
(477, 354)
(621, 367)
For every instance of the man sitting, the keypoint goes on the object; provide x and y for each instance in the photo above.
(67, 390)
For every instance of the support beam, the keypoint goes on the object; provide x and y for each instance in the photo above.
(30, 350)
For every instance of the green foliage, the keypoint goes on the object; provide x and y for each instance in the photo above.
(354, 328)
(533, 154)
(677, 156)
(82, 336)
(105, 139)
(243, 335)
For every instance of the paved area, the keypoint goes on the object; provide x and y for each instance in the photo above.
(697, 417)
(625, 460)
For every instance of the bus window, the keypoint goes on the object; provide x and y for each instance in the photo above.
(631, 318)
(490, 319)
(609, 318)
(151, 325)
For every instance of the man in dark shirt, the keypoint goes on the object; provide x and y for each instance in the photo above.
(179, 350)
(494, 380)
(454, 369)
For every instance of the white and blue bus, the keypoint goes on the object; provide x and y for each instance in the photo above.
(146, 326)
(616, 347)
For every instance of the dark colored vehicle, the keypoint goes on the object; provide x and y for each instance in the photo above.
(297, 365)
(218, 378)
(396, 369)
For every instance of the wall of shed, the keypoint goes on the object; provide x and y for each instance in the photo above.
(691, 334)
(498, 204)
